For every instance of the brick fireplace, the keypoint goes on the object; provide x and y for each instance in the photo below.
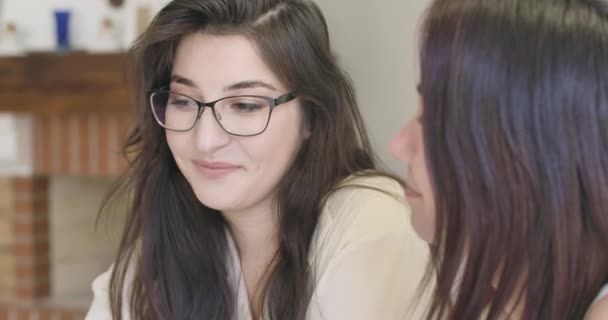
(66, 118)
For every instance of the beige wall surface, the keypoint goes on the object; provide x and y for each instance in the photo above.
(377, 43)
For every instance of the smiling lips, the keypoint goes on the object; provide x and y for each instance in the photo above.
(215, 170)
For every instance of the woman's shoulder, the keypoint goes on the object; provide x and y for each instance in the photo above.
(364, 238)
(368, 197)
(363, 207)
(100, 307)
(372, 180)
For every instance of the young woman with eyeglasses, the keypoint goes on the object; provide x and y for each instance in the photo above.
(254, 190)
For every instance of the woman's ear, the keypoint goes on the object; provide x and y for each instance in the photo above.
(306, 126)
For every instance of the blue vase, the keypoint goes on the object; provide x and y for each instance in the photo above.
(62, 25)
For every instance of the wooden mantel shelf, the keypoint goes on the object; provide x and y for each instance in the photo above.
(49, 83)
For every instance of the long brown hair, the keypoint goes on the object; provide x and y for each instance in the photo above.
(174, 245)
(515, 122)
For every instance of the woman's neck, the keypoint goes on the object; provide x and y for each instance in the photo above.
(255, 232)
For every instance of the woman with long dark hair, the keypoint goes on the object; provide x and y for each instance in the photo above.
(507, 158)
(253, 189)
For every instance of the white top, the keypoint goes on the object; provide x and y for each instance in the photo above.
(366, 258)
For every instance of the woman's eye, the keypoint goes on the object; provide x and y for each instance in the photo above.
(246, 107)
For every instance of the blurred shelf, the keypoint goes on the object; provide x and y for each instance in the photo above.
(45, 83)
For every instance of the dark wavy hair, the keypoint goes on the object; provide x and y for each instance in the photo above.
(515, 122)
(175, 245)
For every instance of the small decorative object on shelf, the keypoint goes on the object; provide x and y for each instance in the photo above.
(62, 27)
(10, 44)
(107, 38)
(116, 3)
(143, 15)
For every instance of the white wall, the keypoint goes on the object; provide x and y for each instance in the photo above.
(36, 26)
(377, 42)
(16, 146)
(8, 139)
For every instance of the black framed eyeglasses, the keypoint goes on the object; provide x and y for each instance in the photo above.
(243, 115)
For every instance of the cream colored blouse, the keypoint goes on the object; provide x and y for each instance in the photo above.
(366, 260)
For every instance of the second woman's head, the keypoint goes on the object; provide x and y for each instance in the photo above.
(508, 154)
